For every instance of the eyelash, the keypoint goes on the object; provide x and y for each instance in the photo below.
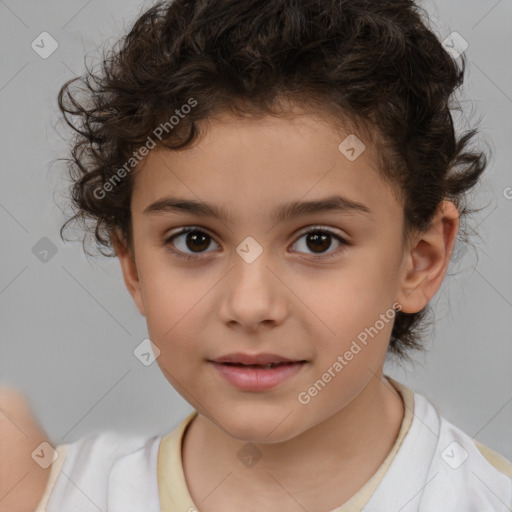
(315, 229)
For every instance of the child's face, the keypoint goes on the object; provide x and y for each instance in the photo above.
(302, 298)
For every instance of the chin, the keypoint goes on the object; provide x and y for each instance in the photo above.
(252, 424)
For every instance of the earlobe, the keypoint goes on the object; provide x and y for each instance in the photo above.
(427, 262)
(129, 269)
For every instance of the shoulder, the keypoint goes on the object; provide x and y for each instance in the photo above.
(99, 470)
(24, 452)
(445, 469)
(502, 464)
(460, 463)
(461, 445)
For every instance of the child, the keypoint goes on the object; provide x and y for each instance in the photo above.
(282, 185)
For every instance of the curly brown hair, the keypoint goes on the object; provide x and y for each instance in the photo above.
(372, 66)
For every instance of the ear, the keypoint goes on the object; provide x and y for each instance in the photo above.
(427, 259)
(129, 268)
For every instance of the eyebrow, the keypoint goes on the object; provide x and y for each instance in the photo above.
(282, 213)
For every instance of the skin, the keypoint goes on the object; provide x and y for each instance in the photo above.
(289, 301)
(22, 481)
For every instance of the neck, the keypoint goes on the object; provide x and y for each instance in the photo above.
(332, 460)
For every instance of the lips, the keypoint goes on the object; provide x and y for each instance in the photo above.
(263, 366)
(263, 360)
(258, 372)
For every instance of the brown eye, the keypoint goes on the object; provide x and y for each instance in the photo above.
(191, 239)
(319, 241)
(197, 240)
(190, 243)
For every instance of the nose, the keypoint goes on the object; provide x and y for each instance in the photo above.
(253, 297)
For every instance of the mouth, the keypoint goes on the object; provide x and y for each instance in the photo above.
(268, 366)
(263, 360)
(256, 372)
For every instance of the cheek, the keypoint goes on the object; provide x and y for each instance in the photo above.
(351, 351)
(167, 291)
(347, 308)
(173, 304)
(350, 298)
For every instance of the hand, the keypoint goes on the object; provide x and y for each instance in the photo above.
(22, 480)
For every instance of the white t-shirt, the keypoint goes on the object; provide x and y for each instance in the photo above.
(432, 467)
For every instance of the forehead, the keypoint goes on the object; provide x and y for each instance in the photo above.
(250, 166)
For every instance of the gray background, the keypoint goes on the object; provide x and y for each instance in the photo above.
(68, 326)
